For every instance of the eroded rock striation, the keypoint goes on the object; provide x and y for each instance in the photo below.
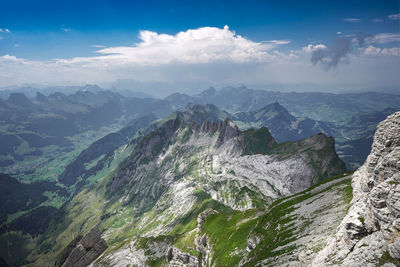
(369, 233)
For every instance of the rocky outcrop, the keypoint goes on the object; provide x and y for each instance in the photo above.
(148, 148)
(201, 219)
(82, 251)
(177, 258)
(371, 227)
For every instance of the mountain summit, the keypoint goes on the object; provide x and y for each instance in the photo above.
(283, 126)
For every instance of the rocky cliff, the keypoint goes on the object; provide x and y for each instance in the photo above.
(369, 233)
(83, 250)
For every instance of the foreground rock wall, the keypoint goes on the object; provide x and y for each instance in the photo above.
(369, 234)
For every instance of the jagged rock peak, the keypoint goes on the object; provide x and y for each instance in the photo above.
(319, 140)
(40, 97)
(208, 92)
(18, 99)
(214, 126)
(226, 129)
(201, 113)
(276, 105)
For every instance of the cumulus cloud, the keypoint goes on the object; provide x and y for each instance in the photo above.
(11, 59)
(202, 45)
(394, 16)
(210, 55)
(383, 38)
(156, 53)
(311, 48)
(376, 51)
(351, 20)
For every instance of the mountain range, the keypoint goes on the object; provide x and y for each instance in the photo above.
(230, 177)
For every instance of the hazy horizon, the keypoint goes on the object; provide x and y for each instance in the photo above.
(340, 46)
(162, 90)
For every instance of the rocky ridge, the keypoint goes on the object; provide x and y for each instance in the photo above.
(225, 158)
(154, 202)
(183, 166)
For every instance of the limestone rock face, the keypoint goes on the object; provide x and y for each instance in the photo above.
(83, 250)
(177, 258)
(372, 225)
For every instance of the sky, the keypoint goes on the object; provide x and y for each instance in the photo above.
(320, 45)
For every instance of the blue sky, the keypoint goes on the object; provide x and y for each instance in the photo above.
(40, 32)
(48, 29)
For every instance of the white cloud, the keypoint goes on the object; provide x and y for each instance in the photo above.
(12, 59)
(394, 16)
(376, 51)
(196, 46)
(394, 51)
(98, 46)
(155, 56)
(7, 57)
(372, 50)
(311, 48)
(278, 42)
(203, 55)
(351, 20)
(383, 38)
(66, 29)
(377, 20)
(5, 30)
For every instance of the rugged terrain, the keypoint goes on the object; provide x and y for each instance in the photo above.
(193, 222)
(201, 185)
(177, 173)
